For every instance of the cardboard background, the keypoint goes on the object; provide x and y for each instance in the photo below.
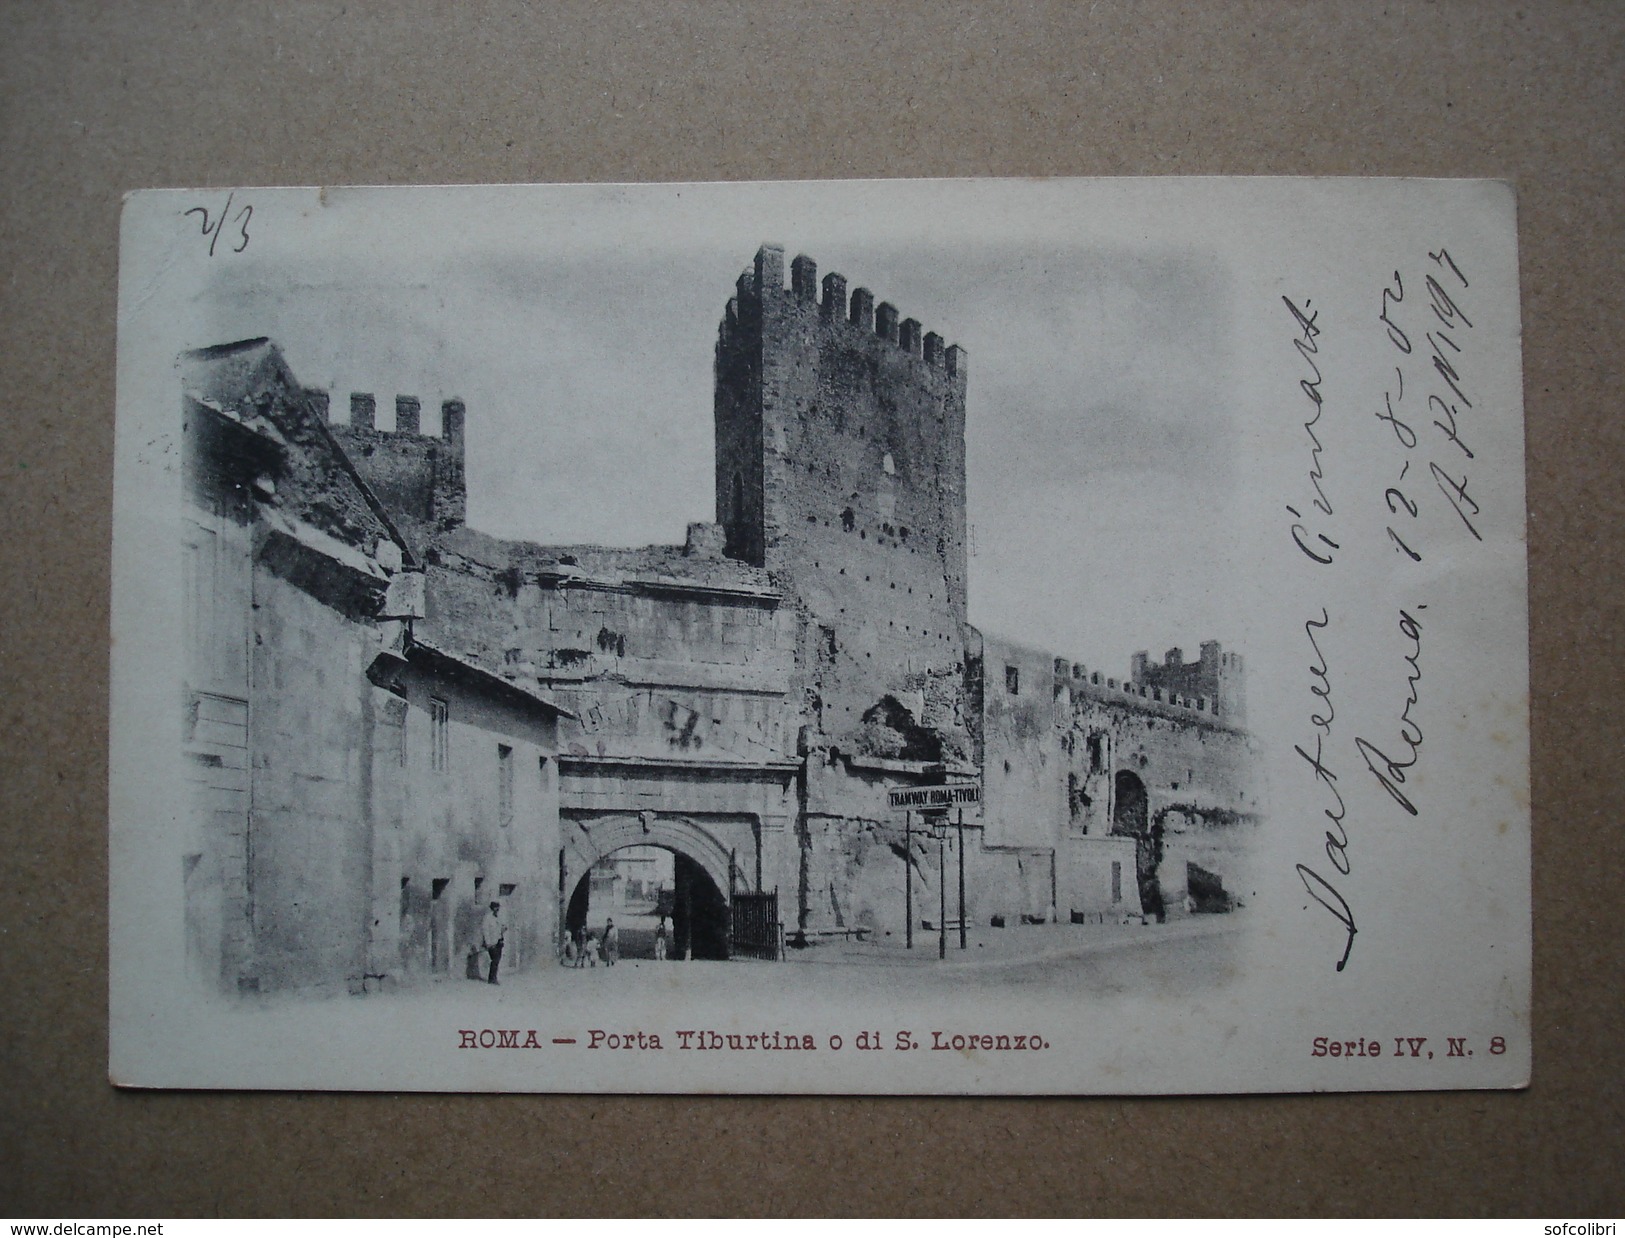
(96, 100)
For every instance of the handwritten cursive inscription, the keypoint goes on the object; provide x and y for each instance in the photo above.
(1321, 716)
(1390, 771)
(212, 225)
(1316, 545)
(1326, 894)
(1445, 402)
(1426, 408)
(1311, 535)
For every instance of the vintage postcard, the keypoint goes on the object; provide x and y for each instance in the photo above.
(879, 637)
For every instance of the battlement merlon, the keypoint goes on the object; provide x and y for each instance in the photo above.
(863, 310)
(408, 415)
(419, 478)
(766, 277)
(1072, 685)
(453, 418)
(1214, 674)
(1146, 687)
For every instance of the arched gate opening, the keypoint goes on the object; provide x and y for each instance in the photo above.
(681, 904)
(1131, 819)
(711, 910)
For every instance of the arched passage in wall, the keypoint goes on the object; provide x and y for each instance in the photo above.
(689, 912)
(1130, 813)
(1131, 818)
(698, 901)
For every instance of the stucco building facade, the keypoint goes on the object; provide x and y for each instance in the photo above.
(357, 795)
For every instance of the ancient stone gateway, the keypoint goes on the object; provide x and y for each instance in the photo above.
(709, 867)
(587, 840)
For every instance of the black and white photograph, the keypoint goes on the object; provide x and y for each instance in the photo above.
(964, 636)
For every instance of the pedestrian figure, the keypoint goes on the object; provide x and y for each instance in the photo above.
(492, 935)
(567, 949)
(660, 941)
(612, 944)
(589, 950)
(581, 947)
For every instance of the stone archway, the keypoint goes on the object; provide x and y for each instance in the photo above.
(589, 839)
(705, 869)
(1129, 805)
(1131, 819)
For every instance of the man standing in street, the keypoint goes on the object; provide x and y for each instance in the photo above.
(492, 934)
(612, 944)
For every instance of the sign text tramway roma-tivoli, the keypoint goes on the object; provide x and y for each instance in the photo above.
(928, 798)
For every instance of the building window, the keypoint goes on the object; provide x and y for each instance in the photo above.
(439, 718)
(1012, 680)
(504, 784)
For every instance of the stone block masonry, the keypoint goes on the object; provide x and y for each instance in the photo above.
(1126, 775)
(419, 477)
(841, 468)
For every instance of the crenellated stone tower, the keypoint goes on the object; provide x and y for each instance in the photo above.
(840, 466)
(419, 477)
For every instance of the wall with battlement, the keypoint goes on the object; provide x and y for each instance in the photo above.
(419, 478)
(1083, 683)
(841, 468)
(775, 674)
(1065, 750)
(1216, 678)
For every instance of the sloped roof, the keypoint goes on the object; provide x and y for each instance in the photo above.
(439, 664)
(249, 382)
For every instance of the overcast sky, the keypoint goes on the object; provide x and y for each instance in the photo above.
(1100, 432)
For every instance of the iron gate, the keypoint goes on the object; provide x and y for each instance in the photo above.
(756, 932)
